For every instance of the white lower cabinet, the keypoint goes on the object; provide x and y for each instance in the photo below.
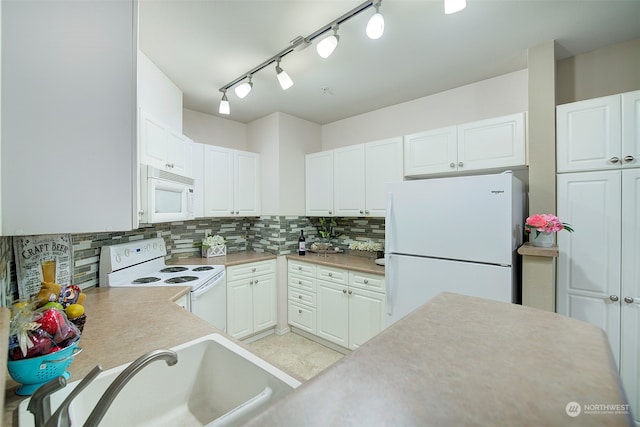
(251, 298)
(344, 307)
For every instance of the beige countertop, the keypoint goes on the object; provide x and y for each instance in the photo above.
(228, 260)
(461, 361)
(122, 324)
(351, 262)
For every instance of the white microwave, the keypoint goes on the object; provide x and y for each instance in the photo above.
(164, 196)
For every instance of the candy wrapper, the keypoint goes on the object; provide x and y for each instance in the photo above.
(36, 332)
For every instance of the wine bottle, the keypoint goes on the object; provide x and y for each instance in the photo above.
(301, 240)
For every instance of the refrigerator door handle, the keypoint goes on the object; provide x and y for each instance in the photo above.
(389, 283)
(389, 225)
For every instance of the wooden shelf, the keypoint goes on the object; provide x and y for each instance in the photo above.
(529, 250)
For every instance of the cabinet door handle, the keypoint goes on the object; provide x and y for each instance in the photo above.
(361, 212)
(614, 159)
(299, 267)
(613, 298)
(237, 212)
(350, 292)
(366, 282)
(255, 281)
(330, 212)
(300, 296)
(366, 212)
(330, 274)
(628, 159)
(628, 300)
(460, 164)
(452, 165)
(344, 291)
(300, 311)
(253, 270)
(231, 212)
(251, 282)
(299, 282)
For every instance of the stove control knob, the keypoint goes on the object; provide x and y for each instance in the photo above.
(118, 258)
(127, 252)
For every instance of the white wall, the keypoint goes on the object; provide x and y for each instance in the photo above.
(212, 130)
(158, 95)
(489, 98)
(297, 138)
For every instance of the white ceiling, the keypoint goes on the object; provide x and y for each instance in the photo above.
(202, 45)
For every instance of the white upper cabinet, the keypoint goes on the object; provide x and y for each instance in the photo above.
(319, 183)
(164, 148)
(383, 165)
(349, 181)
(198, 179)
(492, 143)
(231, 186)
(431, 152)
(360, 174)
(600, 133)
(69, 155)
(496, 143)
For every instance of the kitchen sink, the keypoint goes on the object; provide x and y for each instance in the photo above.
(215, 383)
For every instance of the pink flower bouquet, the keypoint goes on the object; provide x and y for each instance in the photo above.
(545, 223)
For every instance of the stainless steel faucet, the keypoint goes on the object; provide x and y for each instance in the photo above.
(121, 380)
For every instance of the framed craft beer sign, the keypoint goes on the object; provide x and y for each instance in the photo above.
(46, 258)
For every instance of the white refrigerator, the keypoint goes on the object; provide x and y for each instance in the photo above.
(457, 234)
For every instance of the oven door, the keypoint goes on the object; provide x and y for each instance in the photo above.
(209, 302)
(169, 201)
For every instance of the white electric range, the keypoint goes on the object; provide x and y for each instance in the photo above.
(142, 263)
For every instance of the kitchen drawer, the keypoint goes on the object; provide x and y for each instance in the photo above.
(302, 268)
(302, 317)
(371, 282)
(245, 271)
(302, 297)
(333, 275)
(302, 282)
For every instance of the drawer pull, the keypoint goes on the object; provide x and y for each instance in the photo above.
(366, 282)
(299, 268)
(300, 296)
(300, 311)
(253, 270)
(330, 274)
(350, 292)
(344, 291)
(299, 282)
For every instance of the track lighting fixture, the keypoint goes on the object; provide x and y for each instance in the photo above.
(224, 104)
(453, 6)
(375, 26)
(283, 77)
(243, 89)
(327, 45)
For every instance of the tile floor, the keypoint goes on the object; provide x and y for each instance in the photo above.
(295, 354)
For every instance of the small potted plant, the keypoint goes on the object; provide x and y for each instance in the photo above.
(213, 246)
(544, 225)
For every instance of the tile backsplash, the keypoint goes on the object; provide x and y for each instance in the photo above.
(273, 234)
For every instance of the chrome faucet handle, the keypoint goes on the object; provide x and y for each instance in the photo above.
(40, 403)
(98, 412)
(60, 417)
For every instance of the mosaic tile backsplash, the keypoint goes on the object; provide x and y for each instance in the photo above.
(274, 234)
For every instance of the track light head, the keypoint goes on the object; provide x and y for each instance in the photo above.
(243, 89)
(375, 26)
(224, 104)
(453, 6)
(283, 77)
(327, 45)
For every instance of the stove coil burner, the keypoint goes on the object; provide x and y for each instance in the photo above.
(173, 269)
(181, 279)
(144, 280)
(203, 268)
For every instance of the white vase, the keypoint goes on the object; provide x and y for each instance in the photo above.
(543, 239)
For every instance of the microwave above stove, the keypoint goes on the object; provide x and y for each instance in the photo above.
(164, 196)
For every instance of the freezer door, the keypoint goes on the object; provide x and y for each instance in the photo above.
(412, 281)
(473, 218)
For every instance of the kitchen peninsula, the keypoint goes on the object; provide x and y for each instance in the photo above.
(455, 361)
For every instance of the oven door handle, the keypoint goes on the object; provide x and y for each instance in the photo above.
(207, 286)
